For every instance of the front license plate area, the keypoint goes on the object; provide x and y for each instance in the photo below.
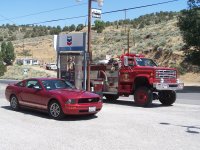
(165, 86)
(92, 109)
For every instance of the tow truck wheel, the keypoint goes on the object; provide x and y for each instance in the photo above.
(143, 96)
(167, 97)
(111, 97)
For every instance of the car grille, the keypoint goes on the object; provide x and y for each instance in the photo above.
(88, 100)
(166, 74)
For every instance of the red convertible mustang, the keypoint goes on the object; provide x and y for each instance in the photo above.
(56, 96)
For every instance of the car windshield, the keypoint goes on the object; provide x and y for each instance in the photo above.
(56, 84)
(145, 62)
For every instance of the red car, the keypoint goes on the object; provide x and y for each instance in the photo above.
(56, 96)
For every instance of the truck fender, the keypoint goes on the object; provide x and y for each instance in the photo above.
(141, 80)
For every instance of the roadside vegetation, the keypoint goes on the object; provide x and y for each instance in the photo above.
(7, 56)
(170, 38)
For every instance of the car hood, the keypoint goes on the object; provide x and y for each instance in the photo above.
(74, 93)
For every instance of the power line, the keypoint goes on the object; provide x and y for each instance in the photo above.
(108, 12)
(42, 12)
(5, 18)
(140, 7)
(55, 20)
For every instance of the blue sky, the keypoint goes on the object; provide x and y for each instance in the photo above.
(13, 9)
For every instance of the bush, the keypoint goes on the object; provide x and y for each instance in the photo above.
(1, 38)
(194, 57)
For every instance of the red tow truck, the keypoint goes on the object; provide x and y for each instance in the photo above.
(136, 75)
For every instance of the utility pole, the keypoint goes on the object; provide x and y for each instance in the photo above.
(89, 44)
(89, 51)
(128, 40)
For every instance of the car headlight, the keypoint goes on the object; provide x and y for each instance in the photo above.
(71, 101)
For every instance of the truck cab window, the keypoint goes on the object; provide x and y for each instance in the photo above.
(145, 62)
(130, 62)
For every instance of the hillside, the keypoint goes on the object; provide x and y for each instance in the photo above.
(40, 48)
(158, 39)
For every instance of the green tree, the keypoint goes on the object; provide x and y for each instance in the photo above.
(1, 38)
(3, 50)
(55, 30)
(72, 27)
(99, 26)
(66, 28)
(2, 66)
(9, 54)
(79, 27)
(189, 24)
(58, 29)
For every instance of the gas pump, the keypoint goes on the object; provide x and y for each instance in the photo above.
(71, 58)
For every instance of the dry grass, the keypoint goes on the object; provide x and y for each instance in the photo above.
(40, 48)
(17, 72)
(165, 35)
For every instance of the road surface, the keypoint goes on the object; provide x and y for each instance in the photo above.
(120, 125)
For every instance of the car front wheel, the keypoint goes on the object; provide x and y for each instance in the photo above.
(14, 104)
(55, 110)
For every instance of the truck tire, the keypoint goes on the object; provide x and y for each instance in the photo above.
(167, 98)
(143, 96)
(111, 97)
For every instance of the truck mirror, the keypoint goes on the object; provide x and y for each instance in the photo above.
(125, 60)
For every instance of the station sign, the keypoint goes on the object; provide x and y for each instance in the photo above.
(96, 13)
(70, 42)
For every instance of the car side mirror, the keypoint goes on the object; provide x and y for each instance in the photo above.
(37, 87)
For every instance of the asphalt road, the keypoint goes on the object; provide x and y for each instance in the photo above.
(120, 125)
(190, 94)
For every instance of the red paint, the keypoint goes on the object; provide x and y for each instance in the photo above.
(40, 98)
(139, 72)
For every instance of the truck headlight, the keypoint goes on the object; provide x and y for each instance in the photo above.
(71, 101)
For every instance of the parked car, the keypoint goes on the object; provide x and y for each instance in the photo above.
(56, 96)
(51, 66)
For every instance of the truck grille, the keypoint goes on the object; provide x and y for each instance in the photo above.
(166, 74)
(88, 100)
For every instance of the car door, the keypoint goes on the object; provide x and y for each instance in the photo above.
(33, 97)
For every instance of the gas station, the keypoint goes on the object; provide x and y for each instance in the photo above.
(71, 58)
